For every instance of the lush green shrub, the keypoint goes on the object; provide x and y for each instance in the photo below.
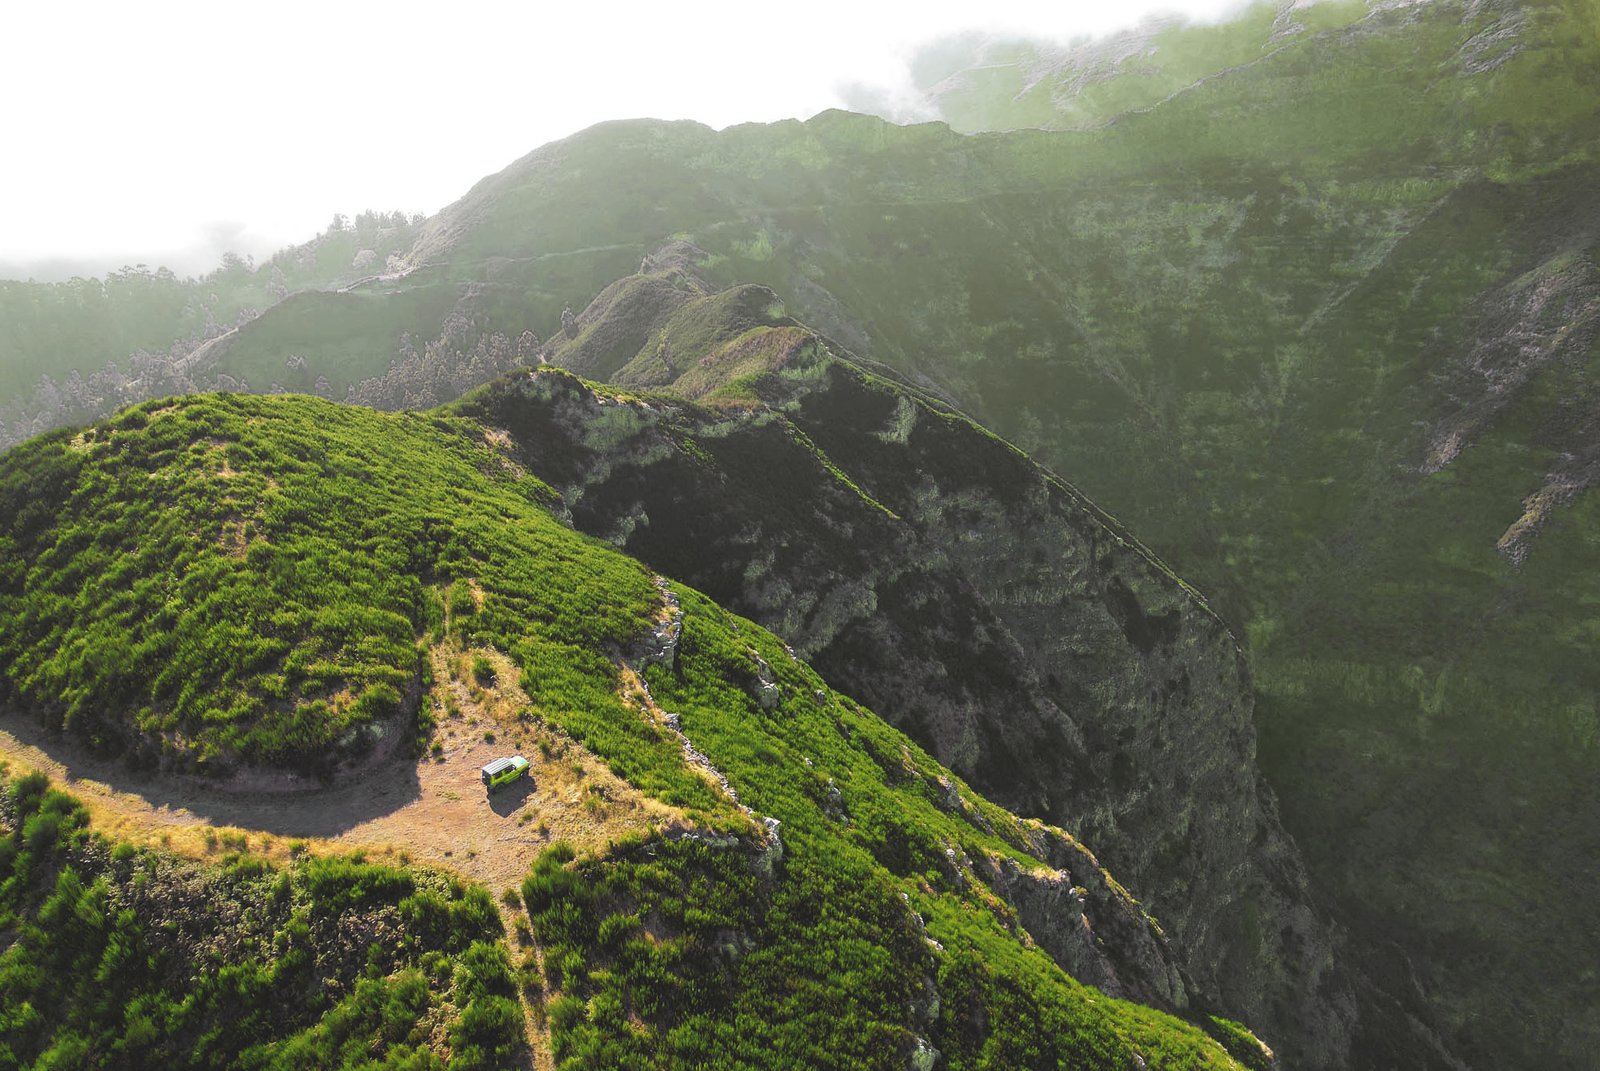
(135, 608)
(121, 957)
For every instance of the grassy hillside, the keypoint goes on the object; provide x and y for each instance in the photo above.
(356, 335)
(229, 581)
(979, 83)
(937, 575)
(182, 586)
(76, 351)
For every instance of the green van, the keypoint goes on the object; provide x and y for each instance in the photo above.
(504, 771)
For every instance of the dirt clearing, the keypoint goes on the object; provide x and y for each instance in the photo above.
(432, 810)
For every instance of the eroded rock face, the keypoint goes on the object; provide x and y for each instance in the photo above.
(1090, 925)
(985, 607)
(1164, 785)
(1538, 328)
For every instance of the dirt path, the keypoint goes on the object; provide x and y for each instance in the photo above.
(434, 810)
(535, 1021)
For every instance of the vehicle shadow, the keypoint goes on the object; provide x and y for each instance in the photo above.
(508, 799)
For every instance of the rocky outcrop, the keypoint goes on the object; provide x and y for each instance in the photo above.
(981, 604)
(1532, 335)
(1088, 923)
(1165, 787)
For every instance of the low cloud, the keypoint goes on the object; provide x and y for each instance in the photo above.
(199, 256)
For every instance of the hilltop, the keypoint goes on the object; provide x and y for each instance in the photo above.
(800, 885)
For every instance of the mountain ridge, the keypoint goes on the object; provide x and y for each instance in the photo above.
(582, 628)
(721, 491)
(1243, 322)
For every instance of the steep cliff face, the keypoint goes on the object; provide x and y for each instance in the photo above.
(1075, 910)
(1321, 331)
(975, 600)
(1154, 683)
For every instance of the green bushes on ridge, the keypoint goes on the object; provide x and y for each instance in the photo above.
(243, 578)
(852, 935)
(118, 957)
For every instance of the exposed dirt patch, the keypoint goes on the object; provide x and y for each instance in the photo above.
(433, 810)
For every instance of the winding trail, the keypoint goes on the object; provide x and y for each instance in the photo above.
(432, 810)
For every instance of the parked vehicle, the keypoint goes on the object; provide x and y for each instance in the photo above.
(504, 771)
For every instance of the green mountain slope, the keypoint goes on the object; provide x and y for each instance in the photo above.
(978, 83)
(1247, 321)
(76, 351)
(975, 601)
(268, 573)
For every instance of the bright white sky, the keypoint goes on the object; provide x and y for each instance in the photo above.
(167, 132)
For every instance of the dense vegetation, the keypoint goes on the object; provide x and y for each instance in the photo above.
(76, 351)
(248, 578)
(118, 957)
(862, 930)
(934, 573)
(413, 526)
(1321, 330)
(724, 969)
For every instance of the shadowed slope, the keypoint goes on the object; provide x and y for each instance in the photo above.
(979, 603)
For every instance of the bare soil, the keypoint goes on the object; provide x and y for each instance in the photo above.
(432, 810)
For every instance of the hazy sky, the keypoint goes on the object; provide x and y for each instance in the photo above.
(168, 132)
